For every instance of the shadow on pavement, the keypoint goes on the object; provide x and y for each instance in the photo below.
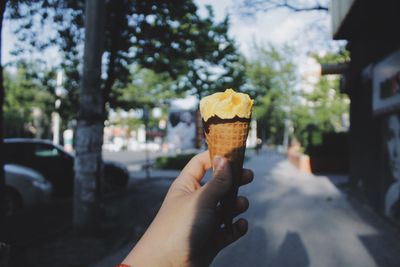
(384, 251)
(292, 252)
(383, 245)
(244, 253)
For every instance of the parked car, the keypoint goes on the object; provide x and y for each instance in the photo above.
(56, 164)
(25, 187)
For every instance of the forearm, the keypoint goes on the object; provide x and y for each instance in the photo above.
(145, 254)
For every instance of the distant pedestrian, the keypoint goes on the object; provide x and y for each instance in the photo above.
(259, 144)
(187, 230)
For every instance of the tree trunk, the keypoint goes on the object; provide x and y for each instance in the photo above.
(89, 133)
(2, 178)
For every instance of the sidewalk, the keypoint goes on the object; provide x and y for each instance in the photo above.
(304, 220)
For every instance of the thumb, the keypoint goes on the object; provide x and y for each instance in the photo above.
(220, 183)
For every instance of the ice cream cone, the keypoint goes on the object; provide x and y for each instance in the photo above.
(226, 119)
(227, 138)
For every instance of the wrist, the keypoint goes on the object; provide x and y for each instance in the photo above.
(147, 255)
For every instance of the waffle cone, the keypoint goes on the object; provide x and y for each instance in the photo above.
(227, 138)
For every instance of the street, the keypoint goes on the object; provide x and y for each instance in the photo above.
(134, 160)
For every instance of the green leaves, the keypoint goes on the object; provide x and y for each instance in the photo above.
(272, 78)
(27, 101)
(147, 88)
(168, 37)
(281, 95)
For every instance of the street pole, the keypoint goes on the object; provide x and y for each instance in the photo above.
(286, 124)
(286, 136)
(89, 133)
(55, 116)
(146, 125)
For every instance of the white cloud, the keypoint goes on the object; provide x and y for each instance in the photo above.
(7, 42)
(277, 27)
(287, 29)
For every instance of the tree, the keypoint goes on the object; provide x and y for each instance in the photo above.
(324, 107)
(28, 102)
(272, 77)
(219, 68)
(89, 134)
(283, 96)
(163, 36)
(147, 88)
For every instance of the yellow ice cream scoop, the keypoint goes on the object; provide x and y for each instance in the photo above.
(226, 105)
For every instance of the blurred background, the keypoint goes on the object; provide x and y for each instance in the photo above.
(100, 113)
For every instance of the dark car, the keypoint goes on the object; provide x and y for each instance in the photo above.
(25, 187)
(56, 165)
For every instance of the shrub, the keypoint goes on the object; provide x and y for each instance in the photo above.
(173, 162)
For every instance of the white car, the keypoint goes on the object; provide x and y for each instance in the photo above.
(24, 188)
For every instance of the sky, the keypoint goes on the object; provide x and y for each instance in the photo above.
(276, 27)
(7, 41)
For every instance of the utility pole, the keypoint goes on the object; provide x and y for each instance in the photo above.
(2, 178)
(4, 248)
(89, 133)
(55, 116)
(146, 117)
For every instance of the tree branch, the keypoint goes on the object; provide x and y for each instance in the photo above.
(317, 7)
(253, 6)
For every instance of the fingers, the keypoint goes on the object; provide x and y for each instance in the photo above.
(241, 205)
(196, 167)
(226, 237)
(219, 184)
(247, 177)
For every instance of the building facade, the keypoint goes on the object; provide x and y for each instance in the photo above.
(372, 81)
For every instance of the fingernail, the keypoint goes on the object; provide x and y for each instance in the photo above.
(217, 162)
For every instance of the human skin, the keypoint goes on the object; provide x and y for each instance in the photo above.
(187, 229)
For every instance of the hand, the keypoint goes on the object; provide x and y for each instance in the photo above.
(187, 229)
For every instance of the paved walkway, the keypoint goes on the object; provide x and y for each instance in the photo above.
(304, 220)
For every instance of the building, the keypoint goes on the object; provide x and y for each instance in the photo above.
(372, 81)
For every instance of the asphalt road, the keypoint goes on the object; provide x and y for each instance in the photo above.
(133, 159)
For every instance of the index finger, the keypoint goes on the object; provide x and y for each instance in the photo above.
(196, 167)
